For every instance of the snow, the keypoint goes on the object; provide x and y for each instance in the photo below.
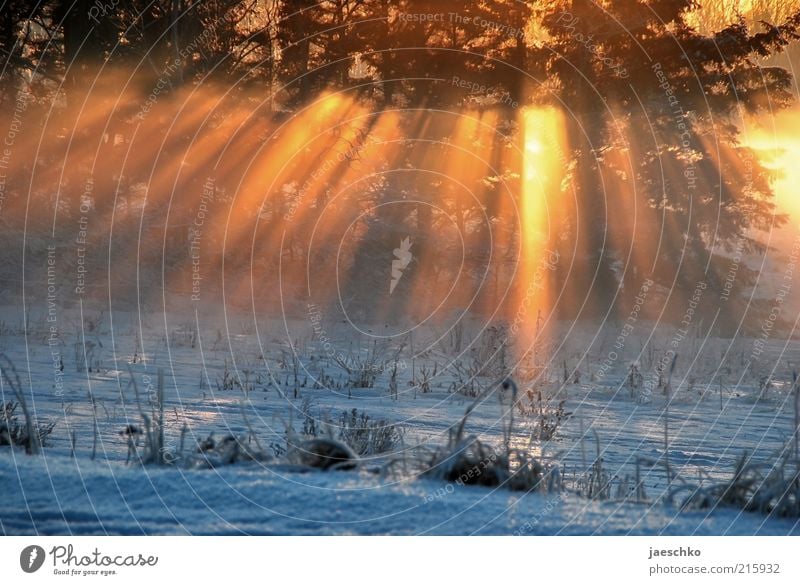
(57, 495)
(711, 423)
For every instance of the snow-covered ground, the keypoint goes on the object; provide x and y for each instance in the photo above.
(54, 495)
(227, 379)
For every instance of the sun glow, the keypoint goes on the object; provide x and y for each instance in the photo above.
(542, 174)
(533, 146)
(778, 145)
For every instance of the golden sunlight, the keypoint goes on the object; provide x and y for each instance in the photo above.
(542, 173)
(778, 145)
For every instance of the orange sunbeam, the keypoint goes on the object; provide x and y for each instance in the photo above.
(542, 173)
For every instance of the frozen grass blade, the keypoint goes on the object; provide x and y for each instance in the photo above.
(10, 375)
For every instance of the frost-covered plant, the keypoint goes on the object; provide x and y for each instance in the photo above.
(634, 380)
(367, 436)
(547, 420)
(210, 452)
(466, 460)
(153, 451)
(427, 374)
(363, 368)
(493, 346)
(14, 432)
(183, 336)
(355, 429)
(767, 488)
(467, 378)
(596, 483)
(29, 434)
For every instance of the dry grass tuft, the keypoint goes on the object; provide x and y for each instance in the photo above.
(772, 489)
(466, 460)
